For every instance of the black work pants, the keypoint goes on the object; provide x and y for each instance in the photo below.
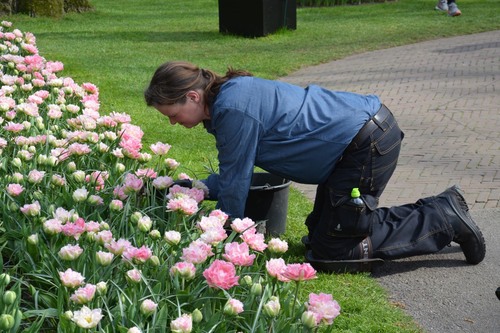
(336, 230)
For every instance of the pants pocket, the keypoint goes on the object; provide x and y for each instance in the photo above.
(347, 219)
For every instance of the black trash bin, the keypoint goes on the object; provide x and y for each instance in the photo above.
(268, 201)
(256, 18)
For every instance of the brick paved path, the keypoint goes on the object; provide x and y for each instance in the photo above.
(445, 96)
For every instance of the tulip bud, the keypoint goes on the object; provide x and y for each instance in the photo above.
(233, 307)
(119, 167)
(102, 288)
(116, 205)
(79, 176)
(13, 207)
(104, 258)
(38, 195)
(247, 280)
(68, 315)
(155, 261)
(172, 237)
(256, 289)
(272, 307)
(197, 316)
(135, 217)
(71, 166)
(308, 319)
(155, 234)
(148, 307)
(145, 224)
(6, 322)
(9, 297)
(4, 279)
(16, 161)
(33, 239)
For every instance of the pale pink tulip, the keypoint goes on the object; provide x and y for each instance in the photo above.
(276, 245)
(15, 189)
(254, 239)
(299, 272)
(84, 294)
(71, 279)
(242, 225)
(275, 268)
(197, 252)
(324, 308)
(70, 252)
(185, 270)
(221, 274)
(87, 318)
(238, 254)
(183, 324)
(233, 307)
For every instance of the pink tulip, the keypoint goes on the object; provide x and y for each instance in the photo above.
(214, 235)
(70, 252)
(32, 209)
(324, 307)
(299, 272)
(134, 275)
(185, 270)
(171, 163)
(254, 239)
(241, 225)
(184, 205)
(233, 307)
(75, 229)
(277, 245)
(197, 252)
(160, 148)
(220, 215)
(162, 182)
(148, 307)
(183, 324)
(137, 255)
(104, 258)
(35, 176)
(238, 254)
(132, 184)
(83, 295)
(172, 237)
(276, 268)
(71, 279)
(52, 226)
(221, 274)
(15, 189)
(118, 247)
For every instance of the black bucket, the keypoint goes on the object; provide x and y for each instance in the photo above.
(268, 201)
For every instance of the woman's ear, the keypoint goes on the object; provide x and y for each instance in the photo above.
(193, 96)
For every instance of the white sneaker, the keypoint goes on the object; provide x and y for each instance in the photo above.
(453, 10)
(442, 5)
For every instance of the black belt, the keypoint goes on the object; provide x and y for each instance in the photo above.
(379, 120)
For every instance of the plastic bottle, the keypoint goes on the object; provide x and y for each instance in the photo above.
(356, 198)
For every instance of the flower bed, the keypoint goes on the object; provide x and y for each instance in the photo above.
(96, 235)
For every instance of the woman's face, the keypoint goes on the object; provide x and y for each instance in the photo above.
(188, 114)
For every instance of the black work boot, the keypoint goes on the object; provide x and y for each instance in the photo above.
(467, 233)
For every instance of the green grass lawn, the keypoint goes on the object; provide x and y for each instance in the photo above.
(120, 44)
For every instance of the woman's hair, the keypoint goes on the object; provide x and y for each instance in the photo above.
(172, 81)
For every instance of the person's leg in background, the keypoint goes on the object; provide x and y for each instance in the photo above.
(448, 6)
(453, 8)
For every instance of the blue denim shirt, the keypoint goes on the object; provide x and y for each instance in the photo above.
(293, 132)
